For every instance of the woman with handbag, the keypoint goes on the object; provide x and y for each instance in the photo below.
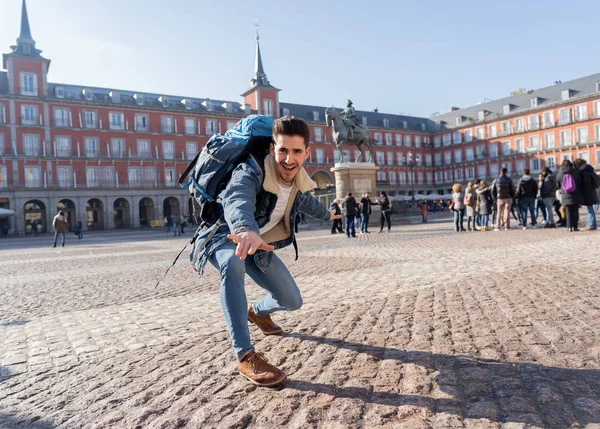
(386, 211)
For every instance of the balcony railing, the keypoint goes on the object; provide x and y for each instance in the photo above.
(189, 130)
(62, 123)
(168, 129)
(144, 154)
(25, 120)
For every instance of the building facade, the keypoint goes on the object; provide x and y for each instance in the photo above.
(112, 157)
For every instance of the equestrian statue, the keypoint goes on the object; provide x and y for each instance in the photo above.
(347, 129)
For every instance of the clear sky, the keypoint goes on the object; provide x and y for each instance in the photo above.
(411, 57)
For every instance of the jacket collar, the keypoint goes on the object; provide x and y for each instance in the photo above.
(302, 181)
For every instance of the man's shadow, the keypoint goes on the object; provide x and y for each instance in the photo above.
(478, 388)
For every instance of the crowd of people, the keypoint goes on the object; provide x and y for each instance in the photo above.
(490, 206)
(357, 214)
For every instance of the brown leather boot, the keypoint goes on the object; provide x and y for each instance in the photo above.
(265, 323)
(257, 369)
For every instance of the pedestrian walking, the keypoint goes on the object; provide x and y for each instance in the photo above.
(458, 207)
(350, 207)
(386, 211)
(336, 223)
(569, 182)
(424, 211)
(60, 225)
(526, 192)
(34, 227)
(589, 187)
(79, 229)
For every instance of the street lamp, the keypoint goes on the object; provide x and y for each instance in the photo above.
(411, 166)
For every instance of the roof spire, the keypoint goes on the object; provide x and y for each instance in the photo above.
(25, 35)
(258, 66)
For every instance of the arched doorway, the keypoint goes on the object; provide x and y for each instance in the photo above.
(146, 207)
(34, 210)
(94, 210)
(68, 207)
(121, 213)
(323, 179)
(171, 206)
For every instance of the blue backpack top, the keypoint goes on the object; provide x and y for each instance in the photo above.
(210, 171)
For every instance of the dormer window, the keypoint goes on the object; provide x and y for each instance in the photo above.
(208, 104)
(139, 99)
(164, 100)
(27, 49)
(315, 115)
(566, 94)
(386, 123)
(535, 101)
(59, 91)
(285, 111)
(481, 114)
(597, 86)
(88, 94)
(459, 119)
(404, 124)
(187, 103)
(363, 120)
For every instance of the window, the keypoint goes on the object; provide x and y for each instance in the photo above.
(211, 127)
(318, 134)
(381, 176)
(168, 149)
(141, 122)
(150, 176)
(426, 141)
(508, 166)
(505, 148)
(549, 140)
(380, 158)
(230, 124)
(534, 143)
(519, 125)
(117, 121)
(437, 141)
(567, 156)
(189, 126)
(494, 170)
(492, 130)
(388, 139)
(363, 120)
(457, 137)
(378, 138)
(28, 84)
(458, 173)
(1, 143)
(534, 165)
(581, 112)
(33, 177)
(166, 124)
(390, 158)
(480, 133)
(404, 125)
(597, 108)
(520, 164)
(29, 115)
(582, 135)
(470, 155)
(107, 177)
(420, 177)
(117, 147)
(336, 156)
(165, 102)
(437, 161)
(89, 94)
(468, 136)
(533, 122)
(447, 139)
(65, 176)
(92, 147)
(320, 156)
(520, 145)
(429, 177)
(494, 150)
(91, 177)
(481, 171)
(584, 155)
(268, 108)
(286, 111)
(345, 155)
(458, 155)
(62, 117)
(191, 150)
(90, 119)
(170, 177)
(505, 128)
(448, 176)
(62, 146)
(398, 139)
(470, 173)
(139, 99)
(548, 119)
(439, 177)
(480, 151)
(565, 138)
(59, 91)
(447, 157)
(551, 162)
(143, 149)
(315, 115)
(31, 145)
(135, 176)
(392, 175)
(564, 116)
(417, 141)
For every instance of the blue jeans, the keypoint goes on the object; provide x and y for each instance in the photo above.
(549, 204)
(350, 227)
(364, 224)
(283, 293)
(528, 203)
(56, 237)
(459, 216)
(484, 220)
(591, 223)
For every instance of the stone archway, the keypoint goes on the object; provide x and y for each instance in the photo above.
(34, 210)
(121, 216)
(146, 211)
(171, 206)
(68, 207)
(94, 211)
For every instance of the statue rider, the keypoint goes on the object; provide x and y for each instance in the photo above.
(349, 115)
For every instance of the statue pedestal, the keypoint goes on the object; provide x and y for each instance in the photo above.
(355, 177)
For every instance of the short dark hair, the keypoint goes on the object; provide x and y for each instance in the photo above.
(383, 193)
(61, 213)
(526, 171)
(291, 126)
(349, 194)
(504, 170)
(567, 163)
(579, 162)
(546, 171)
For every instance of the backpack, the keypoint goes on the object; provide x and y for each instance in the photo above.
(468, 199)
(595, 181)
(568, 184)
(211, 169)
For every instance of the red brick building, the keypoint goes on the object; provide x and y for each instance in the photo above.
(112, 157)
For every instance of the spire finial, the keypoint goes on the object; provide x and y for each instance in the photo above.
(25, 30)
(256, 24)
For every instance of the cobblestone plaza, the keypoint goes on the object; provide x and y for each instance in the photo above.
(419, 328)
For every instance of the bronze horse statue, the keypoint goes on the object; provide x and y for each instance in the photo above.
(340, 134)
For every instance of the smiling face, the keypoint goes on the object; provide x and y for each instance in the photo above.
(289, 153)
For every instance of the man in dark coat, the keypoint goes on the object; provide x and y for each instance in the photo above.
(350, 207)
(570, 200)
(336, 225)
(526, 192)
(589, 189)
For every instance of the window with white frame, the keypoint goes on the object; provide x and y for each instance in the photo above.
(584, 155)
(567, 156)
(469, 173)
(470, 154)
(170, 177)
(29, 115)
(268, 108)
(551, 162)
(29, 84)
(565, 138)
(417, 141)
(90, 119)
(388, 139)
(534, 165)
(63, 146)
(378, 139)
(390, 158)
(139, 99)
(62, 117)
(458, 173)
(315, 114)
(520, 145)
(336, 156)
(92, 177)
(597, 108)
(448, 176)
(402, 177)
(426, 141)
(420, 177)
(211, 127)
(494, 150)
(141, 122)
(400, 158)
(380, 156)
(448, 157)
(386, 123)
(117, 148)
(494, 170)
(149, 176)
(392, 175)
(320, 156)
(134, 174)
(480, 151)
(191, 150)
(548, 119)
(381, 176)
(581, 112)
(64, 176)
(117, 121)
(437, 141)
(439, 177)
(533, 122)
(597, 134)
(468, 136)
(318, 134)
(457, 137)
(398, 139)
(107, 176)
(437, 160)
(143, 149)
(520, 166)
(534, 143)
(564, 116)
(285, 111)
(582, 135)
(429, 177)
(480, 133)
(519, 125)
(31, 144)
(458, 155)
(492, 131)
(549, 141)
(505, 148)
(92, 147)
(189, 126)
(33, 177)
(168, 149)
(346, 155)
(481, 171)
(407, 140)
(363, 120)
(2, 150)
(505, 127)
(167, 125)
(447, 139)
(59, 91)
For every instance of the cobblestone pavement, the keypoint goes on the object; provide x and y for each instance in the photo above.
(419, 328)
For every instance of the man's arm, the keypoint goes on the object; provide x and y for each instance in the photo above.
(309, 205)
(239, 200)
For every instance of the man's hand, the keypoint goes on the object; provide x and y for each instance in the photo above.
(248, 242)
(333, 215)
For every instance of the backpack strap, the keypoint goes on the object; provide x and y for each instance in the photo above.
(189, 168)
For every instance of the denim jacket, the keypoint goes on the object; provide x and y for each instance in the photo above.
(247, 205)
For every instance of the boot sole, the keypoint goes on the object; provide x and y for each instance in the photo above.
(256, 383)
(267, 333)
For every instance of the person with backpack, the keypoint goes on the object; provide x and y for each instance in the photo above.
(589, 186)
(547, 185)
(504, 190)
(526, 192)
(336, 224)
(350, 207)
(254, 215)
(470, 202)
(484, 198)
(569, 182)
